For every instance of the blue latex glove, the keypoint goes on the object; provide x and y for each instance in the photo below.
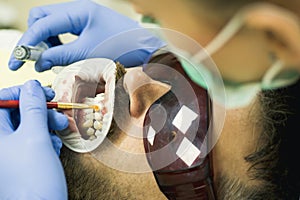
(102, 33)
(30, 167)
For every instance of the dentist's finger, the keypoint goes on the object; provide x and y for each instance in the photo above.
(57, 121)
(11, 93)
(39, 12)
(56, 143)
(62, 55)
(49, 92)
(6, 125)
(35, 14)
(33, 109)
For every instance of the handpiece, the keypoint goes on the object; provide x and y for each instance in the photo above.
(33, 53)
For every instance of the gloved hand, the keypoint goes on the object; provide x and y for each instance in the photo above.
(29, 167)
(102, 33)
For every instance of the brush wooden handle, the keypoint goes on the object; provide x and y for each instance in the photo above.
(15, 104)
(50, 105)
(9, 103)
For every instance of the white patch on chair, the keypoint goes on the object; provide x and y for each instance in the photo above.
(151, 135)
(184, 119)
(187, 152)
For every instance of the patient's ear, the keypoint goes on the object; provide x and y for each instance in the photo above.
(282, 29)
(143, 91)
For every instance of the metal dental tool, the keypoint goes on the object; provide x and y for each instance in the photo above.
(24, 53)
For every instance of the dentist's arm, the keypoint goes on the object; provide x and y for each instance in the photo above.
(30, 167)
(101, 32)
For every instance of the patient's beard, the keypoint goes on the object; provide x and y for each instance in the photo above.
(89, 179)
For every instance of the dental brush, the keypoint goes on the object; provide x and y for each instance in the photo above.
(50, 105)
(24, 53)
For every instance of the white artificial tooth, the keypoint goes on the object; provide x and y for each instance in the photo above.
(97, 133)
(101, 105)
(92, 137)
(88, 111)
(98, 116)
(88, 123)
(90, 132)
(98, 125)
(99, 97)
(89, 116)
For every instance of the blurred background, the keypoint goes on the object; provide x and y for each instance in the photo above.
(14, 13)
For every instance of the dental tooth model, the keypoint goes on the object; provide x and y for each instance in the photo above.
(98, 125)
(92, 82)
(93, 118)
(88, 123)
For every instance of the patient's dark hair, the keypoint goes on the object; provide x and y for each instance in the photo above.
(274, 164)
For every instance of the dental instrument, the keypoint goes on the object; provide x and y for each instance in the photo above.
(24, 53)
(50, 105)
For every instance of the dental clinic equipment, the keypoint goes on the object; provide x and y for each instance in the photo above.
(33, 53)
(50, 105)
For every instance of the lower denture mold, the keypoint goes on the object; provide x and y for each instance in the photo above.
(92, 82)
